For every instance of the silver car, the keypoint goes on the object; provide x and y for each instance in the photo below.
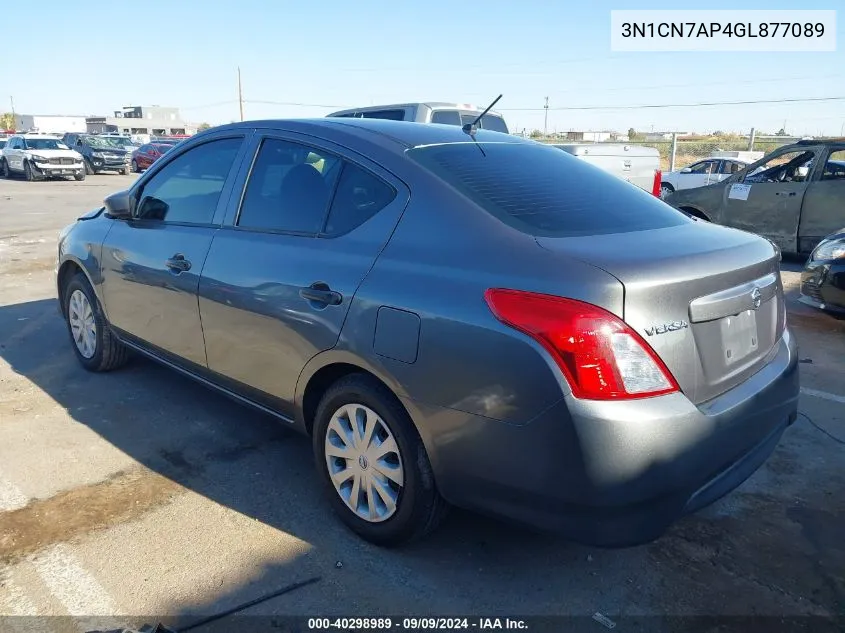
(479, 321)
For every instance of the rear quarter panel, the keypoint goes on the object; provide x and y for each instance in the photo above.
(443, 256)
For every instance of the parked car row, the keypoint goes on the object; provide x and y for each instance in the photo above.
(455, 316)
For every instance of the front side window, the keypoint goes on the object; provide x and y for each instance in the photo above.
(791, 166)
(187, 189)
(704, 167)
(289, 188)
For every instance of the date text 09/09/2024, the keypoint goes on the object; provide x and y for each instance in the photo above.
(716, 29)
(415, 624)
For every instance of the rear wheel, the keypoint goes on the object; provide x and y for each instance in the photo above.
(96, 348)
(373, 464)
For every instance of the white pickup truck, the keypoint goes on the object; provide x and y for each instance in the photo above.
(637, 164)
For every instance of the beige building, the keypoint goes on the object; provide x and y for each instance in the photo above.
(150, 120)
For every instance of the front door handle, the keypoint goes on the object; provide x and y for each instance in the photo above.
(784, 193)
(319, 292)
(178, 263)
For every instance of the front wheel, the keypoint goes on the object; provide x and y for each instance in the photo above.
(27, 172)
(79, 176)
(135, 166)
(373, 464)
(89, 169)
(4, 166)
(96, 348)
(666, 190)
(125, 171)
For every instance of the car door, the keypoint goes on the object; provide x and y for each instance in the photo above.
(151, 263)
(10, 152)
(769, 198)
(697, 176)
(823, 211)
(282, 271)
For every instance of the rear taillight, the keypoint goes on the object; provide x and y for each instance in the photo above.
(658, 180)
(601, 357)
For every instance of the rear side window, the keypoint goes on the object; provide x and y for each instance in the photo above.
(543, 191)
(358, 197)
(391, 115)
(446, 117)
(494, 123)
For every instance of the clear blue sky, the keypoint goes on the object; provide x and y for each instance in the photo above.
(334, 53)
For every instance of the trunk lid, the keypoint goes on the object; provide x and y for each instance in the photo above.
(708, 299)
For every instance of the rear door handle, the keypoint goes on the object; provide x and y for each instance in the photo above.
(319, 292)
(784, 193)
(178, 263)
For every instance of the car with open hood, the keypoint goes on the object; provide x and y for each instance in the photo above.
(794, 196)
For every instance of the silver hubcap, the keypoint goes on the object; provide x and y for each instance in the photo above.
(364, 462)
(82, 325)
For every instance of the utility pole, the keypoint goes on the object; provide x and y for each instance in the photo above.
(240, 94)
(546, 119)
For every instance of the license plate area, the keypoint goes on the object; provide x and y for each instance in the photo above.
(739, 337)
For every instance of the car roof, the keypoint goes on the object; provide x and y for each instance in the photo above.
(430, 104)
(407, 134)
(53, 136)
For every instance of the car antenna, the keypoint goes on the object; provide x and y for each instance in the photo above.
(471, 128)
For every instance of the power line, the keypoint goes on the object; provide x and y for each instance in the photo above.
(676, 105)
(209, 105)
(720, 83)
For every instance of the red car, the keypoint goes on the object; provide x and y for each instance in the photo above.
(147, 154)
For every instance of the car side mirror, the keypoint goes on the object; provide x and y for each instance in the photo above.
(119, 205)
(686, 170)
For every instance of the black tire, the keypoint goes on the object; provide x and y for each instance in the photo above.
(89, 169)
(80, 176)
(135, 166)
(419, 506)
(124, 171)
(27, 171)
(109, 352)
(4, 167)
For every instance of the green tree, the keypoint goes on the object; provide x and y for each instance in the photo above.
(536, 134)
(7, 121)
(203, 126)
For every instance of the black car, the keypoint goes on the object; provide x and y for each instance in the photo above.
(823, 279)
(100, 154)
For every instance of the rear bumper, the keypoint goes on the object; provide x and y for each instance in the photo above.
(619, 473)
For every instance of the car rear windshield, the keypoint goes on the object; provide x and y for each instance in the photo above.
(491, 122)
(543, 191)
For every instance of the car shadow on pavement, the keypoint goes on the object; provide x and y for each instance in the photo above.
(252, 464)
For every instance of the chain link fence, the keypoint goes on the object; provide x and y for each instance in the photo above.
(689, 150)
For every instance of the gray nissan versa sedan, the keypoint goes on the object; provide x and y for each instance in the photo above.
(462, 319)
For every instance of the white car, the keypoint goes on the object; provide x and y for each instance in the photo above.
(704, 172)
(38, 156)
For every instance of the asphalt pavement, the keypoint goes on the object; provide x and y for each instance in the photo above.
(139, 495)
